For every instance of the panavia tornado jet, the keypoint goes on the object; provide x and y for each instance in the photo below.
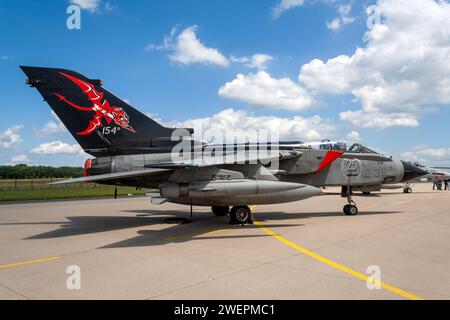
(432, 173)
(130, 149)
(435, 174)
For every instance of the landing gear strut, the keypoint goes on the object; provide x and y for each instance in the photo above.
(241, 215)
(350, 209)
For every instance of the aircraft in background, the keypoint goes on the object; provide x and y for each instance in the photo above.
(130, 149)
(433, 174)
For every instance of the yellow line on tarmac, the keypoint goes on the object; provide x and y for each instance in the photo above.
(337, 265)
(217, 231)
(27, 262)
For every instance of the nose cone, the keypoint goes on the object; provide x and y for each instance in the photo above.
(411, 172)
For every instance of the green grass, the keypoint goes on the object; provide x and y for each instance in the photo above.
(43, 194)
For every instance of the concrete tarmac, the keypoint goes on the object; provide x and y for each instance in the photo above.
(125, 249)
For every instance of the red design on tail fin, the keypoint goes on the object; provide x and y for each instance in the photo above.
(101, 107)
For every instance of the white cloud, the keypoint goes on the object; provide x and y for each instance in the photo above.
(57, 147)
(52, 127)
(230, 123)
(428, 155)
(379, 120)
(10, 137)
(91, 5)
(261, 89)
(354, 136)
(343, 19)
(110, 7)
(188, 49)
(21, 158)
(285, 5)
(239, 59)
(167, 42)
(259, 61)
(403, 67)
(342, 9)
(334, 25)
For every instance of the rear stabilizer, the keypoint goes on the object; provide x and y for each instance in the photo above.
(102, 123)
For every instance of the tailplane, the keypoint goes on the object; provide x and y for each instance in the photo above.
(102, 123)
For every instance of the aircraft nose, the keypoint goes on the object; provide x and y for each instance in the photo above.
(411, 171)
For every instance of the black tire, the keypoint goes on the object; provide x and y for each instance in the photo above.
(352, 210)
(220, 211)
(345, 209)
(366, 193)
(408, 190)
(241, 214)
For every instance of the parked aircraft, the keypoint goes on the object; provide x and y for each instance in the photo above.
(432, 174)
(130, 149)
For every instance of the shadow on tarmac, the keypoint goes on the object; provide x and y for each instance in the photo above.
(204, 226)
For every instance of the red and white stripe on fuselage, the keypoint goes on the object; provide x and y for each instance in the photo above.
(329, 158)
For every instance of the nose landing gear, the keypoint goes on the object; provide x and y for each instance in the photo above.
(407, 188)
(350, 209)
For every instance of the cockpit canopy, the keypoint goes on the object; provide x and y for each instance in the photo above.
(417, 164)
(338, 146)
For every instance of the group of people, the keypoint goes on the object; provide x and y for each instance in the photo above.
(437, 184)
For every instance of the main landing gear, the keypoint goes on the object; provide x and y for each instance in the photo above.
(238, 214)
(350, 209)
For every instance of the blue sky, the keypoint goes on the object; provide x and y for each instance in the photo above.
(225, 62)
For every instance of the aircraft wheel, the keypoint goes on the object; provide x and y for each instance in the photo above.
(350, 210)
(220, 211)
(407, 190)
(346, 208)
(366, 193)
(240, 215)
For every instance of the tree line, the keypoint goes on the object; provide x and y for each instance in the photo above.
(23, 171)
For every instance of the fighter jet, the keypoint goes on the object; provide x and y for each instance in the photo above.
(130, 149)
(432, 174)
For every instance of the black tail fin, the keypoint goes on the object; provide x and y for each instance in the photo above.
(102, 123)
